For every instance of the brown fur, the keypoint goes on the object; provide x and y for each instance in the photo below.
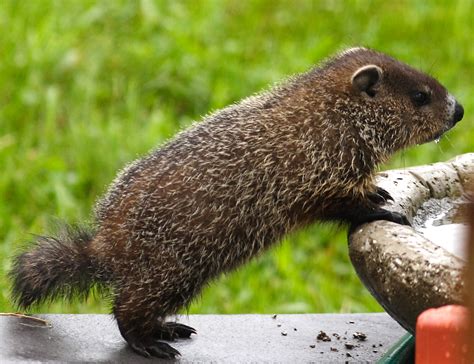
(226, 189)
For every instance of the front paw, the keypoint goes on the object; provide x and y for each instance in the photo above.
(380, 196)
(397, 218)
(379, 214)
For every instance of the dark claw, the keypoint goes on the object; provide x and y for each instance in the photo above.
(379, 214)
(157, 348)
(385, 194)
(163, 350)
(389, 216)
(183, 331)
(399, 219)
(380, 196)
(173, 330)
(139, 349)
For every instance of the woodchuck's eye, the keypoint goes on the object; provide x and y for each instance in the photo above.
(420, 98)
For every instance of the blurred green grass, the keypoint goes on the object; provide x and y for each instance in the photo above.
(87, 86)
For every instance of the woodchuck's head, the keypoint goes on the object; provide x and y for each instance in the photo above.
(390, 104)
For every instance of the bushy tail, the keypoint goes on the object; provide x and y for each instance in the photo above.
(60, 267)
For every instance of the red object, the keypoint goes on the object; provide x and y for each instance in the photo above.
(442, 336)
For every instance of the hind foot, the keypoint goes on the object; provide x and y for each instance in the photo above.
(155, 348)
(173, 330)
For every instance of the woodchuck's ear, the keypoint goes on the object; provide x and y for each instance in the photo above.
(366, 77)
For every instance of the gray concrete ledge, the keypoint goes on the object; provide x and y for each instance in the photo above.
(220, 339)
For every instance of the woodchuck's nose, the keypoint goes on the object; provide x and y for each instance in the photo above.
(458, 113)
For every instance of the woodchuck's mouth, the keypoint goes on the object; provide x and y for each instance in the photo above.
(436, 138)
(457, 117)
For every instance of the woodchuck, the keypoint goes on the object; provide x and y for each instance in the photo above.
(230, 186)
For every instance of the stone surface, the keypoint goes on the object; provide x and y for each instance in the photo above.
(442, 179)
(404, 271)
(464, 165)
(220, 339)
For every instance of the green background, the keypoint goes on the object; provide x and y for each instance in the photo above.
(86, 87)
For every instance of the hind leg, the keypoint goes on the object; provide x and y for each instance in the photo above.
(140, 311)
